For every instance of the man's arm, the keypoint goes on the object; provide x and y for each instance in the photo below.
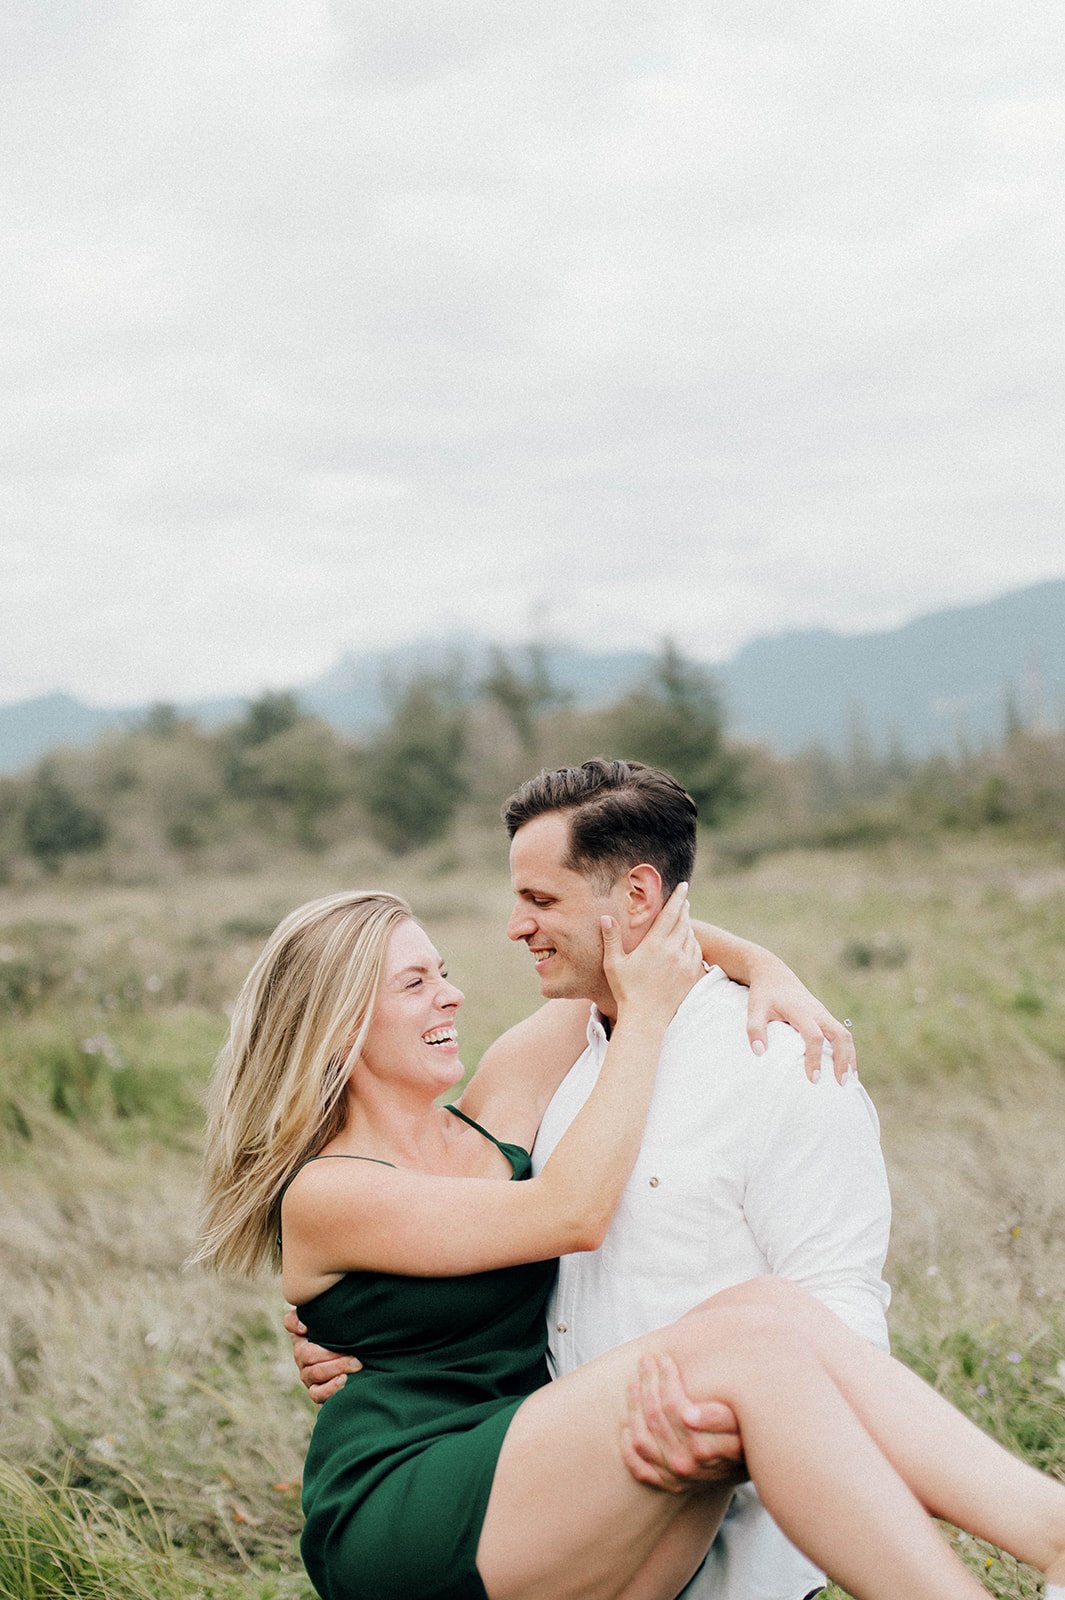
(817, 1197)
(818, 1203)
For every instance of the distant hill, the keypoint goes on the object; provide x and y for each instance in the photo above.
(920, 687)
(352, 696)
(30, 728)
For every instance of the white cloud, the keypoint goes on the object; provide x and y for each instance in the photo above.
(344, 321)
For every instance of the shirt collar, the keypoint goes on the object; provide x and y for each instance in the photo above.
(712, 976)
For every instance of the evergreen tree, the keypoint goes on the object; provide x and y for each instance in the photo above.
(265, 718)
(55, 823)
(675, 721)
(307, 770)
(522, 690)
(162, 720)
(239, 742)
(412, 779)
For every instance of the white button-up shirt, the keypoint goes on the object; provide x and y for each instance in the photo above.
(746, 1168)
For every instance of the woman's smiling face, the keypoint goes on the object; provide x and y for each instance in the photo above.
(413, 1033)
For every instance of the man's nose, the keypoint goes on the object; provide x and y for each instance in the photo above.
(521, 924)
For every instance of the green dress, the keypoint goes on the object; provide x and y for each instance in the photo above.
(401, 1460)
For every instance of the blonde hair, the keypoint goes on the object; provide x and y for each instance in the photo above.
(277, 1094)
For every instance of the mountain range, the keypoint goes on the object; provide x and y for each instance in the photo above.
(948, 676)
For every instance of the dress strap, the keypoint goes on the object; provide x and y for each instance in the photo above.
(516, 1154)
(455, 1112)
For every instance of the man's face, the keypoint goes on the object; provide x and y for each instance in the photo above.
(557, 913)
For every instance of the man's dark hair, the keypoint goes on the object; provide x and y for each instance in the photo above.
(623, 813)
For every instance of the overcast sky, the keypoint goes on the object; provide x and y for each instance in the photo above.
(327, 325)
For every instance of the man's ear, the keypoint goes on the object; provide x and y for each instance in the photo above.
(643, 895)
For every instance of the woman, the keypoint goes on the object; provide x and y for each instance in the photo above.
(449, 1469)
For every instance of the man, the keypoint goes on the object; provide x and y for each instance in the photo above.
(744, 1169)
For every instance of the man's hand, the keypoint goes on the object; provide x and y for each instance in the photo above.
(322, 1372)
(671, 1442)
(777, 995)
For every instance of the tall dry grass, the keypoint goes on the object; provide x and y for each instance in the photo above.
(155, 1413)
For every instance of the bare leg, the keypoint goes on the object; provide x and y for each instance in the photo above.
(565, 1521)
(998, 1497)
(819, 1472)
(680, 1552)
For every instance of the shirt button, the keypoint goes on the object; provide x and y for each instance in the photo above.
(653, 1182)
(562, 1327)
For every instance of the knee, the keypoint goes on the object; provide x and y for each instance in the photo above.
(770, 1293)
(787, 1296)
(741, 1352)
(750, 1327)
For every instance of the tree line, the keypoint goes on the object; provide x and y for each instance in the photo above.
(455, 742)
(452, 742)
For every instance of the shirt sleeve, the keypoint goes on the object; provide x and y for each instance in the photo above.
(817, 1197)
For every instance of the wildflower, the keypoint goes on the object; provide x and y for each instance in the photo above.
(101, 1044)
(1013, 1357)
(981, 1389)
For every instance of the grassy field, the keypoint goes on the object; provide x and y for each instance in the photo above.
(151, 1425)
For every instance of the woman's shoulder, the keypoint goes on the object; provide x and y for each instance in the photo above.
(324, 1174)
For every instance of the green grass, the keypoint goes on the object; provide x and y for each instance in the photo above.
(151, 1419)
(117, 1077)
(62, 1542)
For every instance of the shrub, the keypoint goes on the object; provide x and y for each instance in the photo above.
(55, 823)
(412, 772)
(304, 769)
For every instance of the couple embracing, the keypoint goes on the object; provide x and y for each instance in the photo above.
(721, 1222)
